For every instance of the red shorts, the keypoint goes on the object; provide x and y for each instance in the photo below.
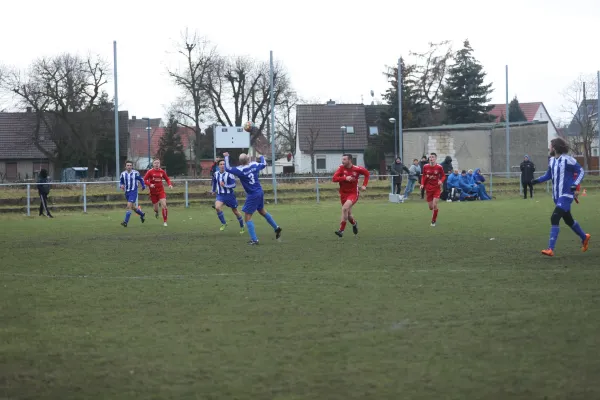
(155, 197)
(433, 194)
(353, 197)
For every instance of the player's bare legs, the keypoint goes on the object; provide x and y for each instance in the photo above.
(163, 205)
(271, 222)
(352, 222)
(155, 207)
(434, 207)
(346, 215)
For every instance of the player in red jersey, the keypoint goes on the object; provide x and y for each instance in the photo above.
(153, 180)
(347, 176)
(432, 180)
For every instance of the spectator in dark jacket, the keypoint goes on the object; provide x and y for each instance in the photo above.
(421, 165)
(447, 165)
(44, 191)
(527, 170)
(397, 169)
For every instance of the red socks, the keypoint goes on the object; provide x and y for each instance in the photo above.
(435, 213)
(164, 214)
(342, 226)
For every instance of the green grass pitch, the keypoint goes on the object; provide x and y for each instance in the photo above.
(92, 310)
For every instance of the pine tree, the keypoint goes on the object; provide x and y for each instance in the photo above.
(465, 94)
(170, 149)
(515, 113)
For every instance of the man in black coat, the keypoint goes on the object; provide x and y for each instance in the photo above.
(527, 170)
(44, 191)
(447, 165)
(421, 165)
(397, 169)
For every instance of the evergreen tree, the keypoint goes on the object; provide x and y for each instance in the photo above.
(515, 114)
(170, 149)
(466, 97)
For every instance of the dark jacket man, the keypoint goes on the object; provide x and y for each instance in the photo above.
(527, 170)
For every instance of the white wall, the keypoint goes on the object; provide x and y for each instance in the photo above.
(542, 115)
(332, 161)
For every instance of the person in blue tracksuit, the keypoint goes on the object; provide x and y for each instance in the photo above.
(453, 184)
(467, 185)
(479, 179)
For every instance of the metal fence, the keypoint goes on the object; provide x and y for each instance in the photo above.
(21, 197)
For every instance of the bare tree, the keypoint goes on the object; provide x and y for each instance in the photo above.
(285, 120)
(199, 59)
(239, 88)
(66, 95)
(583, 128)
(430, 72)
(311, 140)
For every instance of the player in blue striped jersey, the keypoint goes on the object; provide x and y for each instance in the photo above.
(223, 184)
(562, 169)
(129, 183)
(248, 172)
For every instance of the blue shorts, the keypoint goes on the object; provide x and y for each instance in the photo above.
(131, 196)
(564, 203)
(228, 199)
(254, 203)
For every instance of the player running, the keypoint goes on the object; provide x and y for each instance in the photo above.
(432, 181)
(153, 179)
(347, 176)
(223, 183)
(129, 183)
(248, 172)
(562, 169)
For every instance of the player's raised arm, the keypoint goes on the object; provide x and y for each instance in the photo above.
(262, 164)
(338, 176)
(228, 168)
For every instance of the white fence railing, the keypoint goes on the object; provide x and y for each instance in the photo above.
(18, 195)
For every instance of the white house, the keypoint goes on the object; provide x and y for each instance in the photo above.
(533, 112)
(327, 131)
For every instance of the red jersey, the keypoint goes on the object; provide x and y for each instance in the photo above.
(432, 175)
(155, 177)
(354, 171)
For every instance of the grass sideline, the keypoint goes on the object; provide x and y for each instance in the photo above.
(92, 310)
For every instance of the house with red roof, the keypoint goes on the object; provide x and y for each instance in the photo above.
(533, 112)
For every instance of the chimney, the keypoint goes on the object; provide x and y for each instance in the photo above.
(331, 103)
(133, 117)
(28, 109)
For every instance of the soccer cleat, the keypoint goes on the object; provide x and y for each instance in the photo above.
(586, 242)
(355, 227)
(124, 224)
(339, 233)
(242, 231)
(548, 252)
(433, 224)
(253, 243)
(164, 224)
(50, 216)
(143, 217)
(278, 233)
(222, 228)
(156, 214)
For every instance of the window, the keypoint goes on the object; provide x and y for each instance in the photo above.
(373, 130)
(594, 152)
(350, 130)
(321, 162)
(11, 171)
(353, 160)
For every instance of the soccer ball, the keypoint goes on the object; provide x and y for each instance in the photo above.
(249, 126)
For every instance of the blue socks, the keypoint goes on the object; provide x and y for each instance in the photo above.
(127, 216)
(138, 211)
(241, 221)
(577, 229)
(251, 231)
(270, 220)
(221, 217)
(554, 230)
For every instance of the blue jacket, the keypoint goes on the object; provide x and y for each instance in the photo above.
(466, 183)
(453, 181)
(477, 177)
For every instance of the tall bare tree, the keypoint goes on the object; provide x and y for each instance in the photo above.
(198, 59)
(66, 94)
(429, 73)
(285, 120)
(311, 140)
(239, 88)
(580, 102)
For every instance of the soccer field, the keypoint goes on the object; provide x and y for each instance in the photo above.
(92, 310)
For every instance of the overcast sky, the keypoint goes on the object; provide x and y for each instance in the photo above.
(331, 49)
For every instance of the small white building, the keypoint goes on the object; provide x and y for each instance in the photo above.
(325, 132)
(533, 112)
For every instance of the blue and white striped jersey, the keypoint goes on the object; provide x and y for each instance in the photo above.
(248, 175)
(562, 171)
(228, 182)
(130, 179)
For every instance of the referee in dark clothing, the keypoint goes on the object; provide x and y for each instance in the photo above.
(44, 191)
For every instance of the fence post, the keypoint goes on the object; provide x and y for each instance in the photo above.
(520, 184)
(28, 200)
(187, 203)
(84, 198)
(317, 186)
(547, 186)
(491, 184)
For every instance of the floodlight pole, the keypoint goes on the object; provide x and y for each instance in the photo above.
(272, 108)
(507, 130)
(116, 100)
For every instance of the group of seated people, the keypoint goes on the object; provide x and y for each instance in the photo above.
(466, 185)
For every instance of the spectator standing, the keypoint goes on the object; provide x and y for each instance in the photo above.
(43, 190)
(421, 165)
(527, 170)
(397, 169)
(414, 172)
